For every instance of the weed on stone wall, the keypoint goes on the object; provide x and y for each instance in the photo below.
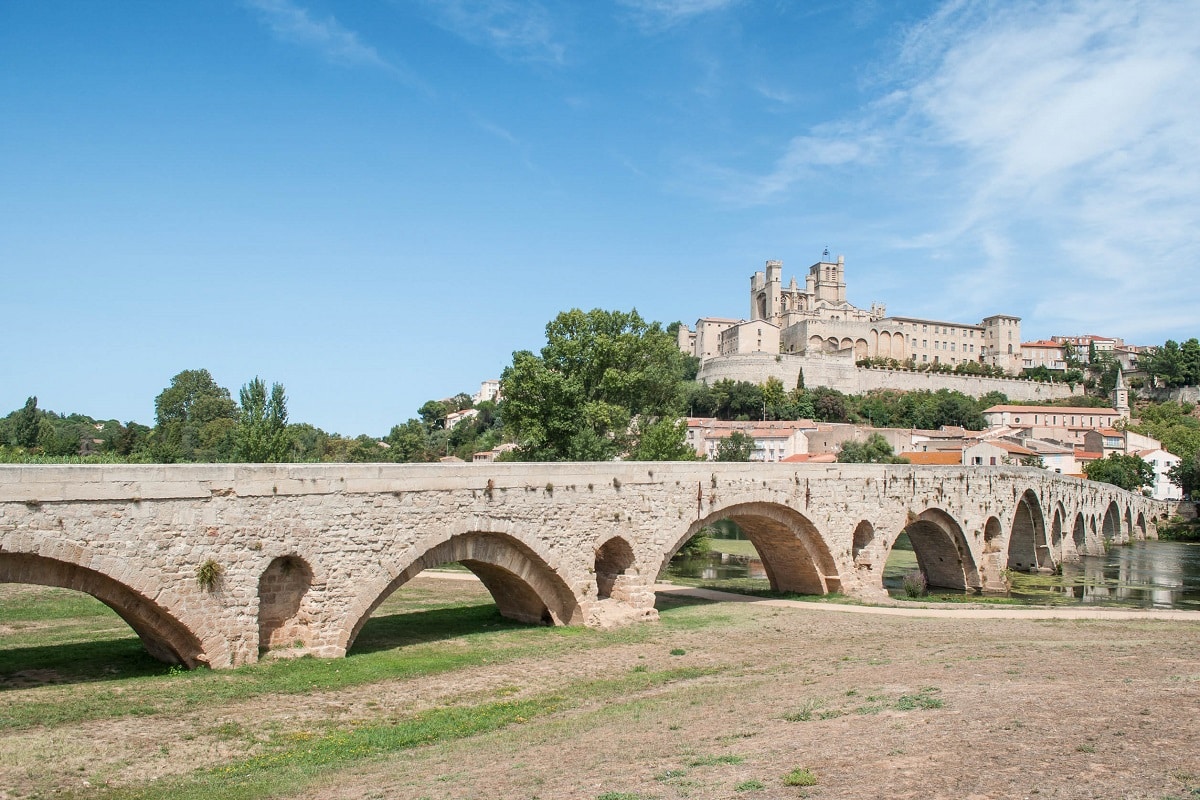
(208, 575)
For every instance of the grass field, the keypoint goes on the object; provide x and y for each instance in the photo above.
(442, 698)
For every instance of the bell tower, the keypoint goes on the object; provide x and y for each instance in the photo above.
(828, 279)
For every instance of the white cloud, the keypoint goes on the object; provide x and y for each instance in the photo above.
(290, 23)
(655, 15)
(522, 30)
(1052, 146)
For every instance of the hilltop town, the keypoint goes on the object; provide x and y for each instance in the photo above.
(812, 335)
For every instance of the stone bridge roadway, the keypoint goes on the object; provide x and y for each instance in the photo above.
(300, 555)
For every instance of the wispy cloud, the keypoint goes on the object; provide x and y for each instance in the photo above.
(655, 15)
(291, 23)
(1052, 146)
(520, 30)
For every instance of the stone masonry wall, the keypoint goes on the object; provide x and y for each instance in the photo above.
(843, 375)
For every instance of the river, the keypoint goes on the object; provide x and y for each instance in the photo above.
(1148, 574)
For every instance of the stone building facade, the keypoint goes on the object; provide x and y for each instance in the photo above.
(816, 318)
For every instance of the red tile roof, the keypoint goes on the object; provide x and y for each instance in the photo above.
(936, 458)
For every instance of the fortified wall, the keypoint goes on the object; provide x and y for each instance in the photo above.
(841, 373)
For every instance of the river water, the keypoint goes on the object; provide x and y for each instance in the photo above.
(1149, 574)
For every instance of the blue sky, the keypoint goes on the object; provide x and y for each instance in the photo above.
(375, 204)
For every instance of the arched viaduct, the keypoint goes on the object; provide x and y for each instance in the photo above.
(218, 564)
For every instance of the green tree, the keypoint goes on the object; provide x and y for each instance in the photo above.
(829, 405)
(433, 413)
(1128, 472)
(261, 434)
(195, 419)
(875, 450)
(25, 425)
(1173, 425)
(735, 447)
(774, 398)
(1186, 474)
(598, 372)
(662, 440)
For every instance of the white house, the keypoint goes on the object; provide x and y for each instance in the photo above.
(1161, 462)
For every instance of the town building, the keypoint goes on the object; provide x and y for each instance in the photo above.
(1043, 353)
(1161, 462)
(1057, 423)
(773, 440)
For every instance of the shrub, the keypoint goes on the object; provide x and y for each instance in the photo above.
(914, 583)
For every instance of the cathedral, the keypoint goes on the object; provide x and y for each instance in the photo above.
(818, 320)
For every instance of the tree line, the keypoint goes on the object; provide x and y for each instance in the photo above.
(198, 421)
(607, 384)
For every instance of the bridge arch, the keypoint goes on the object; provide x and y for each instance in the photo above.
(1141, 525)
(1079, 532)
(864, 536)
(163, 635)
(794, 554)
(1027, 547)
(942, 552)
(613, 559)
(1056, 530)
(282, 589)
(1111, 527)
(524, 586)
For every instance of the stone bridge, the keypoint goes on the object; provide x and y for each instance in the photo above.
(219, 564)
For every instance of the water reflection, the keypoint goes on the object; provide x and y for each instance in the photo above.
(1143, 574)
(716, 567)
(1147, 574)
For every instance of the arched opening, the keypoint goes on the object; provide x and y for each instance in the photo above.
(992, 534)
(281, 591)
(1056, 530)
(1141, 525)
(1129, 523)
(164, 637)
(794, 556)
(1079, 533)
(524, 587)
(1027, 547)
(831, 344)
(899, 344)
(940, 551)
(613, 558)
(815, 344)
(860, 349)
(864, 535)
(1112, 524)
